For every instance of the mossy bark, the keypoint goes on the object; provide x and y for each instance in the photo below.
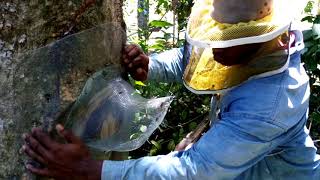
(27, 25)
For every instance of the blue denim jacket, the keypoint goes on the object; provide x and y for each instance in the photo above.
(260, 133)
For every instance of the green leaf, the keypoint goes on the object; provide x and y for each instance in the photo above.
(308, 18)
(184, 115)
(160, 23)
(140, 10)
(153, 151)
(181, 132)
(316, 31)
(156, 144)
(157, 46)
(134, 136)
(192, 126)
(171, 145)
(307, 34)
(137, 118)
(309, 7)
(315, 116)
(317, 20)
(139, 83)
(309, 44)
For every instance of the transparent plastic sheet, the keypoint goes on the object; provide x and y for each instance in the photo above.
(106, 113)
(48, 79)
(110, 115)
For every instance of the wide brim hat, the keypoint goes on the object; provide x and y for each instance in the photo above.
(206, 30)
(215, 24)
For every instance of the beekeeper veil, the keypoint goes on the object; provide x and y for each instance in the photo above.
(262, 25)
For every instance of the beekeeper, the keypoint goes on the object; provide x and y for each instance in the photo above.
(244, 50)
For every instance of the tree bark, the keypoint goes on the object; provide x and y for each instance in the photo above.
(143, 19)
(29, 91)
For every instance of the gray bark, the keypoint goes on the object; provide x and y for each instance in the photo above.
(143, 18)
(318, 7)
(31, 90)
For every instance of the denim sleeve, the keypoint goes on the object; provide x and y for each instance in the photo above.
(224, 152)
(166, 66)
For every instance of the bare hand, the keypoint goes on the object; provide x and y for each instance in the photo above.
(60, 160)
(135, 62)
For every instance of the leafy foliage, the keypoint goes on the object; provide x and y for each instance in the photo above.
(311, 58)
(186, 111)
(160, 24)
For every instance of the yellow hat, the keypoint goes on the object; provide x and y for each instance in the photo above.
(226, 23)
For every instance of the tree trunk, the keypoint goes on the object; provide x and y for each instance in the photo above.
(318, 7)
(143, 19)
(30, 92)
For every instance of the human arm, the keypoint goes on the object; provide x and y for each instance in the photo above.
(224, 152)
(166, 66)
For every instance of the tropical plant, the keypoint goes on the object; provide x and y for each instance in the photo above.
(311, 59)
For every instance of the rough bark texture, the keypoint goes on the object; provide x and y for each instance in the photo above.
(29, 89)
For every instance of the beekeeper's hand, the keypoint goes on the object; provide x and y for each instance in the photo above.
(69, 160)
(136, 62)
